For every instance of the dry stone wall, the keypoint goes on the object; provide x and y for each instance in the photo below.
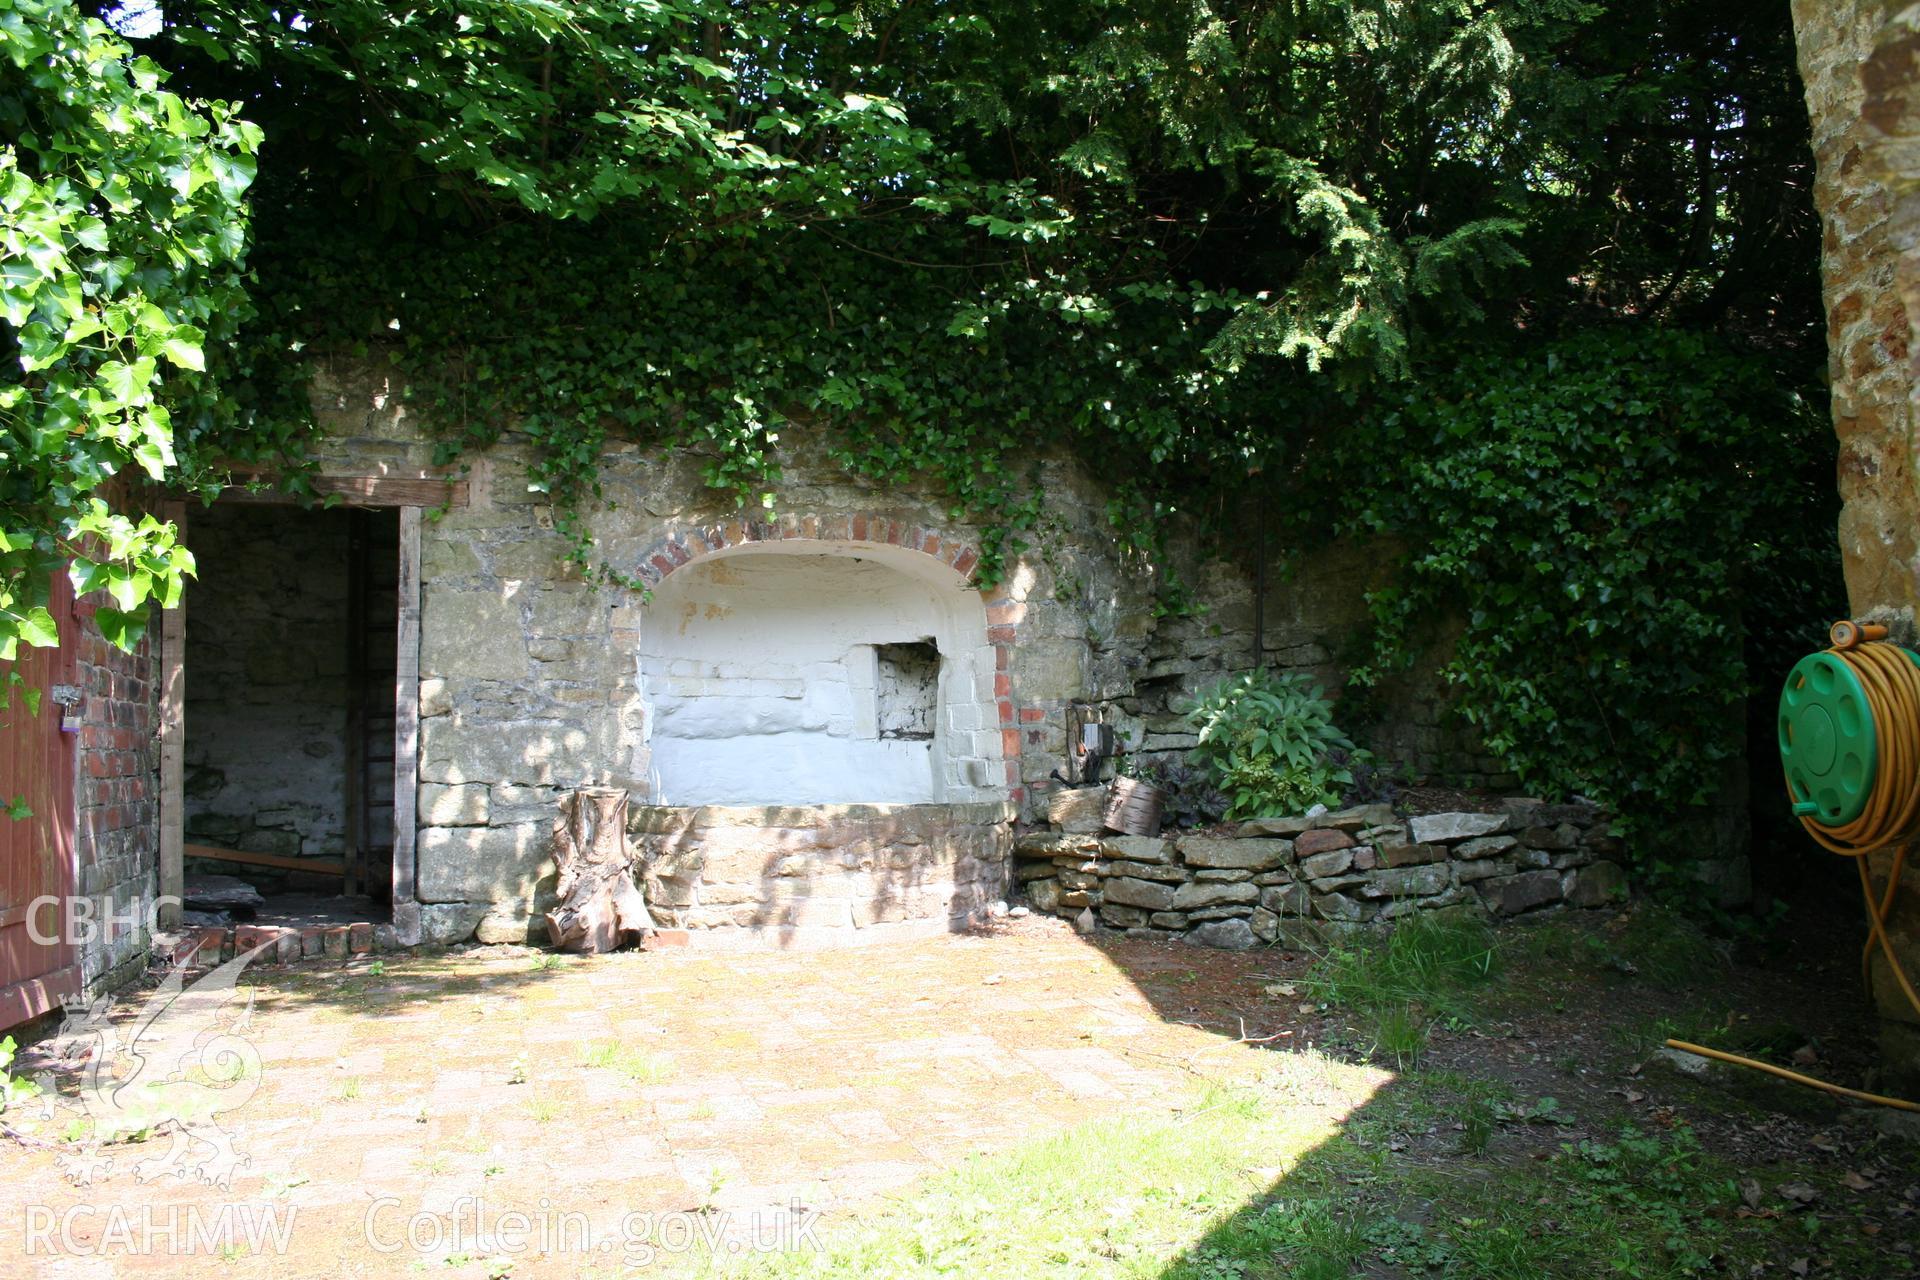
(1294, 879)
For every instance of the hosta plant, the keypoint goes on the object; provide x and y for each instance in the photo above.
(1271, 744)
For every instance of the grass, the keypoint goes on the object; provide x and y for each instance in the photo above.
(639, 1068)
(1111, 1197)
(1653, 943)
(1241, 1186)
(1426, 969)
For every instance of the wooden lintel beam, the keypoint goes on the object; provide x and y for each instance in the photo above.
(319, 866)
(365, 491)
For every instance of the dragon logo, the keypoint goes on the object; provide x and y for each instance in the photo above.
(186, 1061)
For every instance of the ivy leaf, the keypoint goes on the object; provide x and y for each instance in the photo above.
(38, 629)
(184, 349)
(122, 627)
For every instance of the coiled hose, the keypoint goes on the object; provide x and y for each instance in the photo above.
(1890, 820)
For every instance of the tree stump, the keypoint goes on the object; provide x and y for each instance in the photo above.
(600, 906)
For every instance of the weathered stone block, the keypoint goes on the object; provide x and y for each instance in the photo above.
(459, 805)
(510, 926)
(1044, 895)
(1563, 836)
(1482, 869)
(523, 752)
(1409, 855)
(1225, 935)
(1167, 920)
(1483, 847)
(1511, 895)
(1137, 848)
(1122, 916)
(1357, 818)
(1148, 895)
(1191, 897)
(1077, 809)
(1051, 844)
(1144, 871)
(1399, 908)
(1287, 899)
(435, 698)
(1338, 906)
(1320, 865)
(1229, 911)
(1321, 840)
(1431, 827)
(1274, 826)
(472, 635)
(1407, 882)
(1251, 855)
(482, 864)
(1265, 925)
(1598, 885)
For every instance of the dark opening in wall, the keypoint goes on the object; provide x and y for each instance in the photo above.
(907, 688)
(290, 666)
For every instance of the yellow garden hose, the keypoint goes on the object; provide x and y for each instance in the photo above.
(1890, 818)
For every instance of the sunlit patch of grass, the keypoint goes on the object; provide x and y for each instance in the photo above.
(1162, 1197)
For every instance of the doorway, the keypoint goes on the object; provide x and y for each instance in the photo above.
(287, 783)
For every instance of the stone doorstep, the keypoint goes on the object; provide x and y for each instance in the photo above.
(203, 946)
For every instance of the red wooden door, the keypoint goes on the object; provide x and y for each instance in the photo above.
(37, 853)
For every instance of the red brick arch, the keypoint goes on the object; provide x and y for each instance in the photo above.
(685, 546)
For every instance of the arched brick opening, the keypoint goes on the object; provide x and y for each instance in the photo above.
(888, 538)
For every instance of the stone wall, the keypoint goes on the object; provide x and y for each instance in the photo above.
(267, 687)
(822, 874)
(1314, 621)
(534, 682)
(116, 802)
(1858, 61)
(1294, 879)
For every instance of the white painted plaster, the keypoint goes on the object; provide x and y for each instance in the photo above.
(758, 673)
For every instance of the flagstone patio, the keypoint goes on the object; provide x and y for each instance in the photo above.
(406, 1103)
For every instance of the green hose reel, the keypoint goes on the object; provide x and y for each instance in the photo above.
(1827, 739)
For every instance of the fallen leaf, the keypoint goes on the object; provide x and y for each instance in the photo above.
(1857, 1181)
(1282, 989)
(1750, 1192)
(1798, 1192)
(1798, 1266)
(1805, 1056)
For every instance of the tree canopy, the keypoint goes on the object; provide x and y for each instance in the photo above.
(1224, 249)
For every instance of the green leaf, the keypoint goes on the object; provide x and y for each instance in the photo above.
(38, 629)
(184, 349)
(122, 628)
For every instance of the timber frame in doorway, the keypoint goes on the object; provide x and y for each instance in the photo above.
(413, 496)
